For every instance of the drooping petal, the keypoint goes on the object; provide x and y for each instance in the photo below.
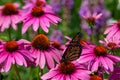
(49, 75)
(42, 60)
(43, 25)
(8, 64)
(36, 24)
(49, 60)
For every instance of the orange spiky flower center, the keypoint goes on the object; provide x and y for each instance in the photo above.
(91, 19)
(9, 9)
(112, 45)
(100, 51)
(37, 11)
(40, 42)
(11, 46)
(67, 68)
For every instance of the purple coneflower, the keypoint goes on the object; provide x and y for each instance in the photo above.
(44, 52)
(97, 56)
(13, 52)
(67, 71)
(10, 15)
(91, 18)
(111, 43)
(113, 30)
(38, 16)
(31, 3)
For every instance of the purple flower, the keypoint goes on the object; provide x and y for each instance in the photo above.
(13, 52)
(111, 43)
(67, 71)
(90, 7)
(10, 15)
(97, 56)
(38, 16)
(43, 52)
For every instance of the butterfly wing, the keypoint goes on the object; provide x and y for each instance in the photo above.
(73, 50)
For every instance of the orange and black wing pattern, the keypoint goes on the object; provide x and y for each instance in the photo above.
(73, 50)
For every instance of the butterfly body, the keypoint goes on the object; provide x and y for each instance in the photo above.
(73, 50)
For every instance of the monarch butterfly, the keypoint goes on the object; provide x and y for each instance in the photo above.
(73, 50)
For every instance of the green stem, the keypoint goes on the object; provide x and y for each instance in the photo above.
(9, 33)
(38, 73)
(17, 72)
(38, 31)
(41, 70)
(92, 35)
(22, 2)
(27, 35)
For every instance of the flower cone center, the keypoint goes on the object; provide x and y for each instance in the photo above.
(9, 9)
(56, 44)
(37, 11)
(67, 68)
(39, 3)
(95, 77)
(111, 45)
(11, 46)
(100, 51)
(40, 42)
(91, 19)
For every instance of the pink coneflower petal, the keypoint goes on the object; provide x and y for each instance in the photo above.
(113, 32)
(84, 59)
(38, 57)
(114, 58)
(3, 57)
(58, 77)
(108, 30)
(42, 60)
(43, 26)
(67, 77)
(14, 26)
(95, 65)
(103, 62)
(18, 60)
(49, 74)
(36, 24)
(55, 57)
(46, 21)
(73, 78)
(50, 61)
(110, 63)
(98, 16)
(6, 23)
(53, 18)
(22, 58)
(8, 64)
(27, 55)
(26, 25)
